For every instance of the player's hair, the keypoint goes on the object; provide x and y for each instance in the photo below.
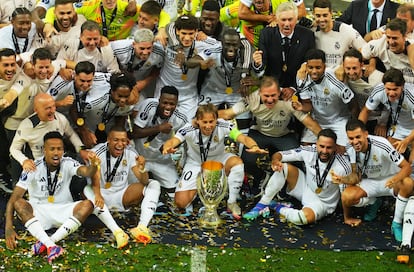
(211, 5)
(90, 26)
(118, 128)
(20, 11)
(169, 90)
(143, 35)
(354, 123)
(397, 24)
(186, 22)
(41, 54)
(315, 54)
(353, 53)
(122, 80)
(327, 132)
(207, 108)
(287, 6)
(322, 4)
(85, 67)
(393, 75)
(152, 8)
(7, 52)
(406, 7)
(231, 32)
(52, 135)
(268, 81)
(63, 2)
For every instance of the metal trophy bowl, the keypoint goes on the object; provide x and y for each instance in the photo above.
(211, 188)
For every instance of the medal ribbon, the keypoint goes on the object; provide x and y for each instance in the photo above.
(204, 152)
(227, 75)
(131, 68)
(110, 176)
(364, 166)
(184, 68)
(80, 103)
(104, 25)
(105, 116)
(321, 180)
(394, 117)
(51, 185)
(16, 44)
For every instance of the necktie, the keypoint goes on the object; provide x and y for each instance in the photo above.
(286, 44)
(373, 24)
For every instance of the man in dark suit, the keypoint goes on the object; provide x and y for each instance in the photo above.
(282, 49)
(359, 13)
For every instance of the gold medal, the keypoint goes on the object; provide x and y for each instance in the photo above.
(107, 185)
(295, 98)
(318, 190)
(229, 90)
(51, 199)
(80, 121)
(101, 126)
(184, 76)
(393, 127)
(284, 68)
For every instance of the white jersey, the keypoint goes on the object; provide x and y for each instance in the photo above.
(404, 119)
(124, 52)
(171, 75)
(214, 89)
(309, 155)
(190, 135)
(270, 122)
(103, 58)
(383, 160)
(55, 42)
(46, 4)
(61, 88)
(362, 90)
(31, 131)
(95, 104)
(31, 87)
(379, 48)
(329, 100)
(6, 85)
(23, 44)
(36, 182)
(123, 175)
(8, 6)
(147, 117)
(337, 41)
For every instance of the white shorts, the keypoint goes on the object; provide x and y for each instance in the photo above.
(310, 199)
(53, 215)
(188, 180)
(164, 173)
(376, 187)
(113, 200)
(338, 127)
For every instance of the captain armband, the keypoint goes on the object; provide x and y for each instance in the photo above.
(234, 133)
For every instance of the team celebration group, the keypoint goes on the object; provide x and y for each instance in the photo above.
(110, 104)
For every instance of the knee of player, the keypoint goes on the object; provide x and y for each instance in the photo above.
(352, 194)
(407, 186)
(84, 209)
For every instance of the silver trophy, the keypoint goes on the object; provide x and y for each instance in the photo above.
(211, 188)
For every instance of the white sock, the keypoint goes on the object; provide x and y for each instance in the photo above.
(69, 226)
(364, 201)
(235, 181)
(274, 185)
(408, 224)
(400, 203)
(36, 230)
(103, 214)
(294, 216)
(149, 202)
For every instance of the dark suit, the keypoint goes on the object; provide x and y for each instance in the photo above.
(270, 42)
(357, 14)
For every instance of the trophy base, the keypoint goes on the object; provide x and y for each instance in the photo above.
(210, 219)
